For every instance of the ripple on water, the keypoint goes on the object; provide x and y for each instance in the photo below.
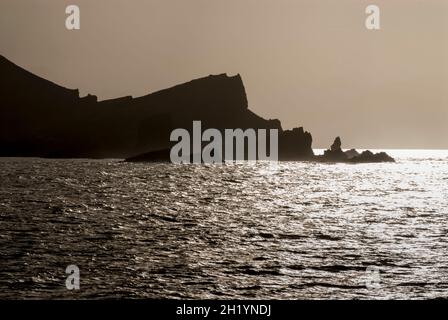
(292, 230)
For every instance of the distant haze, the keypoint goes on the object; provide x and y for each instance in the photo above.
(309, 63)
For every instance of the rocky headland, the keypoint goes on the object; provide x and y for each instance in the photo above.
(336, 154)
(39, 118)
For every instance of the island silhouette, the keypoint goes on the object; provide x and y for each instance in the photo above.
(39, 118)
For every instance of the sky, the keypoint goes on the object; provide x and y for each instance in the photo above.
(309, 63)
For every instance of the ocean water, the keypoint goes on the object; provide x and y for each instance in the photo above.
(250, 230)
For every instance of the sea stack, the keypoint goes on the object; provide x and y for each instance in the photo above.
(335, 154)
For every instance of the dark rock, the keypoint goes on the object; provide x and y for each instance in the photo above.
(335, 154)
(368, 156)
(336, 146)
(52, 121)
(351, 153)
(295, 144)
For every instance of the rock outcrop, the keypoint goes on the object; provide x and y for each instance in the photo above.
(335, 154)
(368, 157)
(351, 153)
(295, 144)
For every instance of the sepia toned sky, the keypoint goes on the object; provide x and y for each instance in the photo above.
(309, 63)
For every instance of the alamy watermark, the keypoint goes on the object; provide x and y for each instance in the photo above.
(73, 20)
(373, 18)
(236, 145)
(73, 280)
(373, 278)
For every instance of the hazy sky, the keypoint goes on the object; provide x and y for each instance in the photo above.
(310, 63)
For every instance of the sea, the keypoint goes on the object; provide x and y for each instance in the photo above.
(255, 230)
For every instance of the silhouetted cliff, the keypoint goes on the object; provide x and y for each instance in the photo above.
(40, 118)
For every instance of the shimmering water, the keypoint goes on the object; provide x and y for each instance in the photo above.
(292, 230)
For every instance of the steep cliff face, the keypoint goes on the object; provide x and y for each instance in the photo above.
(40, 118)
(30, 110)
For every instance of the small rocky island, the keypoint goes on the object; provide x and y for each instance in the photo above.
(335, 154)
(39, 118)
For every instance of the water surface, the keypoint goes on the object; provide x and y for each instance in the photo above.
(291, 230)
